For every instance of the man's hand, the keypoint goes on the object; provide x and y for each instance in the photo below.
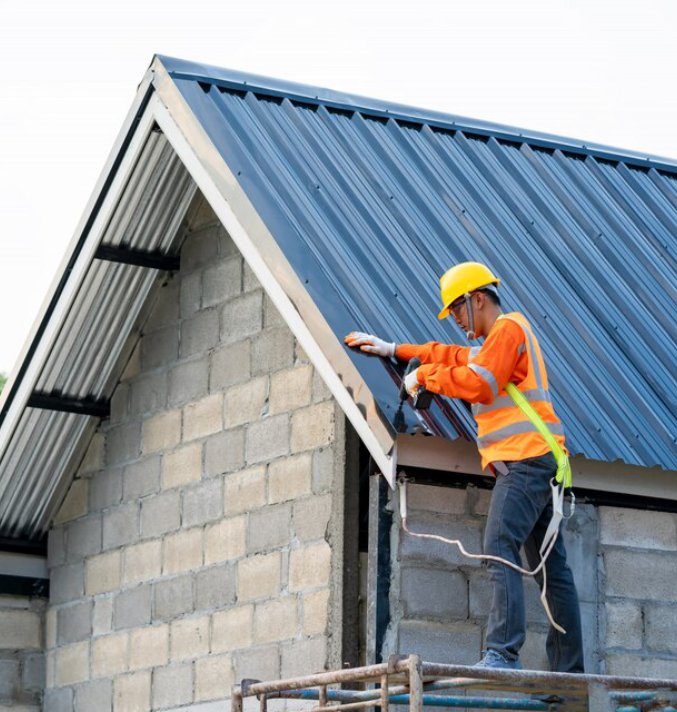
(411, 383)
(370, 344)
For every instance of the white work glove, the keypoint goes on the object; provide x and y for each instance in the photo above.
(411, 383)
(370, 344)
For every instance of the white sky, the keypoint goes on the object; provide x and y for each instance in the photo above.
(600, 70)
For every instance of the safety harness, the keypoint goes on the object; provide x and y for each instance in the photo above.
(559, 486)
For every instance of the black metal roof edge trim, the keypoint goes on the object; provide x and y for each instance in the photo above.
(74, 255)
(239, 81)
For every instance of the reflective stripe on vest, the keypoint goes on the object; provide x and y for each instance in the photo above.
(533, 395)
(487, 375)
(516, 429)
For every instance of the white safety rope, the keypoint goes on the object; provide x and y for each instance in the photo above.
(546, 546)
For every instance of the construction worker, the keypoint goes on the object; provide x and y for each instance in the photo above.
(522, 462)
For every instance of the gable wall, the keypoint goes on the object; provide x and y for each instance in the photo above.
(200, 542)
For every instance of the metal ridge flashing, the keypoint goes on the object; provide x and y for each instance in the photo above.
(241, 81)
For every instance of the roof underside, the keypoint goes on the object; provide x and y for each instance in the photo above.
(370, 210)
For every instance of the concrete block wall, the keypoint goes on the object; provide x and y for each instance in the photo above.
(200, 543)
(22, 661)
(440, 599)
(639, 554)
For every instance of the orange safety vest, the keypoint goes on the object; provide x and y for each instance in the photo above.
(503, 431)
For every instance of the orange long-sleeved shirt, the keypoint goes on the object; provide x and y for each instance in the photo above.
(444, 367)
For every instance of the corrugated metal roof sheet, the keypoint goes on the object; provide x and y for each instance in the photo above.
(370, 204)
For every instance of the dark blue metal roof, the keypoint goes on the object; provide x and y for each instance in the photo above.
(371, 203)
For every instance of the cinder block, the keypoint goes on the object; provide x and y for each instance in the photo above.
(121, 525)
(162, 431)
(189, 638)
(323, 470)
(123, 443)
(225, 540)
(213, 677)
(244, 491)
(661, 627)
(9, 678)
(445, 500)
(627, 574)
(200, 214)
(635, 528)
(533, 655)
(232, 629)
(259, 577)
(105, 489)
(94, 458)
(161, 514)
(580, 536)
(56, 546)
(83, 538)
(242, 317)
(165, 311)
(215, 587)
(260, 663)
(58, 699)
(224, 452)
(131, 608)
(142, 562)
(50, 627)
(250, 281)
(74, 623)
(199, 333)
(148, 394)
(434, 594)
(271, 316)
(172, 597)
(102, 617)
(133, 366)
(188, 381)
(315, 612)
(247, 402)
(200, 248)
(222, 281)
(230, 364)
(312, 427)
(311, 517)
(172, 686)
(290, 389)
(141, 478)
(96, 695)
(272, 350)
(159, 348)
(119, 404)
(75, 502)
(20, 629)
(191, 294)
(227, 248)
(72, 664)
(320, 389)
(629, 665)
(310, 566)
(457, 644)
(182, 466)
(267, 439)
(182, 551)
(110, 655)
(439, 553)
(290, 478)
(202, 503)
(624, 625)
(102, 573)
(131, 693)
(304, 657)
(33, 674)
(203, 417)
(66, 583)
(269, 528)
(275, 620)
(149, 647)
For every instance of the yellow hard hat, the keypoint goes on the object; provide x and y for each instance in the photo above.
(462, 279)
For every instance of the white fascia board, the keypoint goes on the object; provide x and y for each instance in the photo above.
(82, 264)
(381, 450)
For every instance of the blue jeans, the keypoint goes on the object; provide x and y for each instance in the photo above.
(520, 509)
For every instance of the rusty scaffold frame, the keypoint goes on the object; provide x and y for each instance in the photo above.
(409, 681)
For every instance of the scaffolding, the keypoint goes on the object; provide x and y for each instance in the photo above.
(410, 681)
